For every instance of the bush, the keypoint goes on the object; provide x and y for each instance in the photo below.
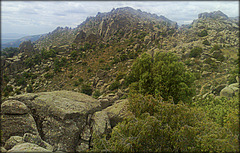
(89, 70)
(76, 83)
(7, 90)
(73, 54)
(20, 81)
(206, 42)
(203, 33)
(119, 76)
(49, 75)
(215, 47)
(219, 56)
(87, 89)
(101, 60)
(196, 52)
(165, 127)
(96, 94)
(114, 85)
(29, 89)
(80, 80)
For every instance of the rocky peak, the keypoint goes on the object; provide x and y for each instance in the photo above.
(213, 15)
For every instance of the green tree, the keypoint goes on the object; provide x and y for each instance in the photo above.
(164, 75)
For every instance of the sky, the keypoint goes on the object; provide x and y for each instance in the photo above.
(39, 17)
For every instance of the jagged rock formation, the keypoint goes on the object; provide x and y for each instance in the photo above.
(213, 15)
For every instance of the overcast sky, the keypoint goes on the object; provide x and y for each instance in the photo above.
(38, 17)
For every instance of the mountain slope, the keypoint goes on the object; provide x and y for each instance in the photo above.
(98, 54)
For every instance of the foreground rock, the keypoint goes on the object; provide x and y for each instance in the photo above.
(15, 120)
(27, 147)
(61, 116)
(117, 112)
(230, 91)
(14, 107)
(13, 141)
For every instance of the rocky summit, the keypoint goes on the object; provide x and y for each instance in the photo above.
(118, 79)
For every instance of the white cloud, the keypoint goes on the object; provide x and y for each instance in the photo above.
(33, 17)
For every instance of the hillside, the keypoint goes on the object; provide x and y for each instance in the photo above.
(126, 81)
(103, 47)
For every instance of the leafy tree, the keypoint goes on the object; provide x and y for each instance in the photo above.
(164, 75)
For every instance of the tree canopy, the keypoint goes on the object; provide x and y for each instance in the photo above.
(162, 75)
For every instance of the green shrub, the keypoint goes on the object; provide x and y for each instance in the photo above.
(120, 75)
(215, 47)
(76, 83)
(161, 126)
(203, 33)
(114, 85)
(206, 42)
(196, 52)
(80, 80)
(73, 54)
(70, 76)
(101, 60)
(219, 56)
(29, 88)
(49, 75)
(89, 70)
(20, 81)
(96, 94)
(7, 90)
(87, 89)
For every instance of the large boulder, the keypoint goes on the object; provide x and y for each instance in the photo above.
(230, 90)
(15, 120)
(100, 123)
(14, 107)
(28, 147)
(13, 141)
(36, 139)
(117, 112)
(61, 116)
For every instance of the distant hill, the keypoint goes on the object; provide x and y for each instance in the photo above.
(16, 42)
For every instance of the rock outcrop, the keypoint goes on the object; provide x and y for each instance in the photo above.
(230, 91)
(15, 120)
(214, 15)
(61, 116)
(27, 147)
